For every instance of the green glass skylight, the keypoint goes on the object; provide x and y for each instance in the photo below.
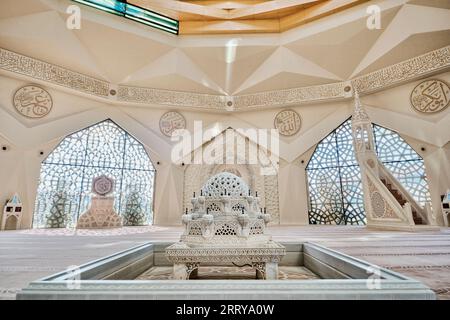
(126, 10)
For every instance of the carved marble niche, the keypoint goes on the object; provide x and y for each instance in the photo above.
(196, 175)
(12, 214)
(101, 213)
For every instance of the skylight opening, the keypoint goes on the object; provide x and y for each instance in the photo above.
(135, 13)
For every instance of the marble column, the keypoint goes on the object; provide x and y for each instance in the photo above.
(271, 270)
(180, 271)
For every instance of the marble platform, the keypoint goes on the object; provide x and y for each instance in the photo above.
(115, 277)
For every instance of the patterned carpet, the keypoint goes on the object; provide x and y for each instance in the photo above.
(93, 232)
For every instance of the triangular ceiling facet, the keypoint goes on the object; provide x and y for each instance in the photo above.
(116, 52)
(424, 19)
(230, 65)
(345, 46)
(51, 42)
(173, 70)
(17, 8)
(284, 60)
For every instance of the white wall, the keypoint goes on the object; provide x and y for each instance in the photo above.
(19, 165)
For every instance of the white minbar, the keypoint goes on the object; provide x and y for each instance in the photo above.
(226, 226)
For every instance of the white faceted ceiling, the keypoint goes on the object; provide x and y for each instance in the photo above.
(332, 49)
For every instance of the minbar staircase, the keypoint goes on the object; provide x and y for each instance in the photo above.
(417, 219)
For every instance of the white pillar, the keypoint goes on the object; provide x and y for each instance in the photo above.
(180, 271)
(271, 270)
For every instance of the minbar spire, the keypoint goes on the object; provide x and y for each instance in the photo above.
(362, 133)
(359, 113)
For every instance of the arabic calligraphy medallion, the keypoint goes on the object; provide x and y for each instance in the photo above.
(430, 96)
(102, 185)
(170, 122)
(32, 102)
(288, 122)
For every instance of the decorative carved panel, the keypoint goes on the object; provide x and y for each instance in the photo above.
(380, 208)
(17, 63)
(415, 68)
(170, 98)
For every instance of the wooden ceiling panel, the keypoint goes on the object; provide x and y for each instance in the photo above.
(246, 16)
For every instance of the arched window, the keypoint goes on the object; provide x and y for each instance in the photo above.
(66, 176)
(334, 178)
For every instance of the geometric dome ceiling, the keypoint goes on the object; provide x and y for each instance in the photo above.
(333, 48)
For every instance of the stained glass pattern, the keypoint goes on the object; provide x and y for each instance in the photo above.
(334, 178)
(104, 148)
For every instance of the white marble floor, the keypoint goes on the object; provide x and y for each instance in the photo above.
(28, 255)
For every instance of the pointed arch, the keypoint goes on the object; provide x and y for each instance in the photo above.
(334, 178)
(64, 190)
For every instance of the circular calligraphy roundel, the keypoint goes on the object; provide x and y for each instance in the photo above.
(102, 185)
(288, 122)
(32, 102)
(430, 96)
(171, 121)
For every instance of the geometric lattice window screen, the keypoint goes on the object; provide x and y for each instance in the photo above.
(334, 178)
(66, 174)
(405, 164)
(334, 181)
